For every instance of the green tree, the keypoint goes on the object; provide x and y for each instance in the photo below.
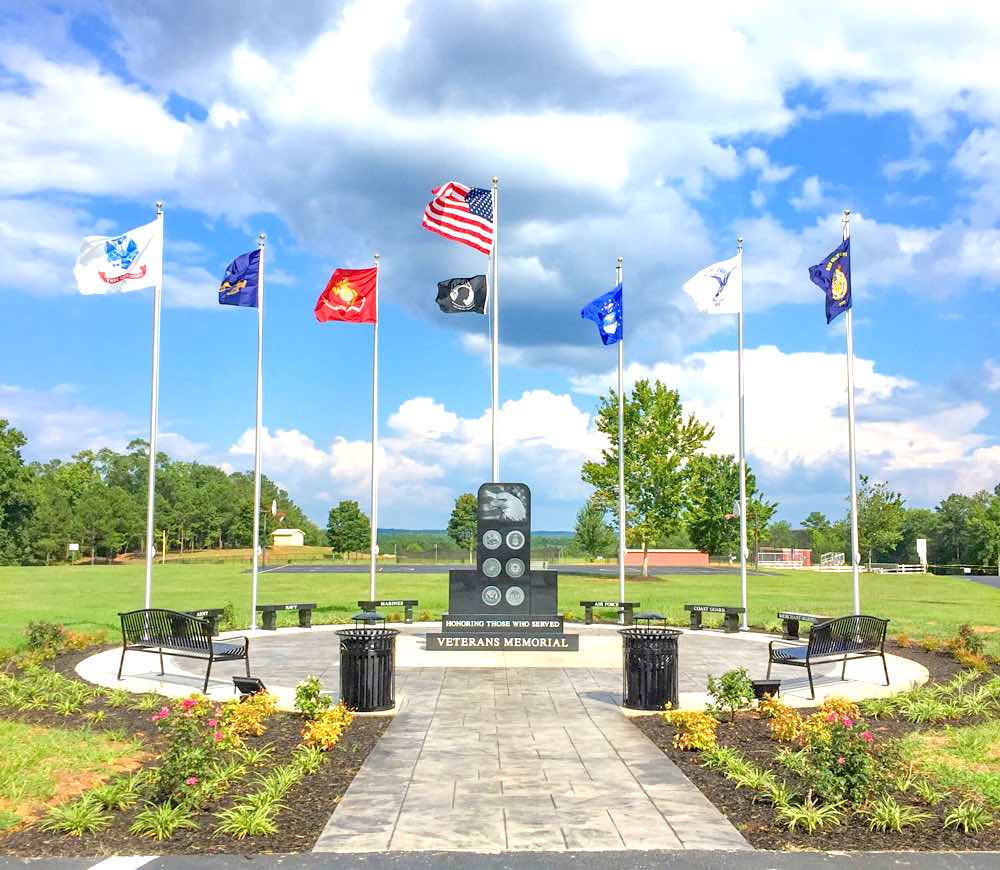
(880, 517)
(984, 525)
(712, 520)
(918, 523)
(593, 536)
(759, 514)
(348, 530)
(781, 535)
(462, 522)
(16, 494)
(824, 536)
(953, 520)
(659, 445)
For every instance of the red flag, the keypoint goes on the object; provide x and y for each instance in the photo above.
(349, 296)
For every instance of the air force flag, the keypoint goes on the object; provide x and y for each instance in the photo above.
(717, 289)
(459, 295)
(833, 277)
(606, 312)
(239, 286)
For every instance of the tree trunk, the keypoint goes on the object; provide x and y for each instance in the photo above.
(645, 559)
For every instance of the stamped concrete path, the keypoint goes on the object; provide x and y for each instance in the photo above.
(495, 759)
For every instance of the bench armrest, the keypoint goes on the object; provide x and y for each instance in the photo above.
(783, 642)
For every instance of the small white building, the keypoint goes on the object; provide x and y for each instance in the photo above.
(288, 538)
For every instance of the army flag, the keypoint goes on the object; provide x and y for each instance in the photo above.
(239, 286)
(349, 296)
(460, 295)
(118, 264)
(717, 289)
(833, 277)
(606, 312)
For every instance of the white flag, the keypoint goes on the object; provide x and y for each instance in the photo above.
(717, 289)
(118, 264)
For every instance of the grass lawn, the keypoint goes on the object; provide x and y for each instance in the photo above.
(967, 759)
(39, 765)
(87, 597)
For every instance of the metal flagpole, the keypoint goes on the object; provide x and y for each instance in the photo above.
(256, 441)
(374, 542)
(743, 458)
(495, 335)
(621, 452)
(855, 553)
(154, 406)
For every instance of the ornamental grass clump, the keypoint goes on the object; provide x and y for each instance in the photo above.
(695, 729)
(324, 731)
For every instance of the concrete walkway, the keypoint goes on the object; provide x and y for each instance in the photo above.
(537, 759)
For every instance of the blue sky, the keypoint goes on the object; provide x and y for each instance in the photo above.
(616, 129)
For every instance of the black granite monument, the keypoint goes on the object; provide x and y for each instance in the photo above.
(503, 605)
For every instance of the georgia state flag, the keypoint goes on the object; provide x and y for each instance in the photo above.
(118, 264)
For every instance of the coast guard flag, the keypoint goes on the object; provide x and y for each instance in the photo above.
(118, 264)
(833, 277)
(239, 287)
(606, 312)
(717, 289)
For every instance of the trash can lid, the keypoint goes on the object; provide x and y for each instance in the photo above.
(651, 632)
(364, 633)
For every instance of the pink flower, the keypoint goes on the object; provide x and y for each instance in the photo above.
(867, 736)
(848, 722)
(188, 703)
(212, 723)
(156, 717)
(841, 760)
(218, 736)
(191, 780)
(831, 717)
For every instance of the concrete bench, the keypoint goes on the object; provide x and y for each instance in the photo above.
(790, 622)
(270, 612)
(626, 607)
(731, 620)
(406, 603)
(212, 614)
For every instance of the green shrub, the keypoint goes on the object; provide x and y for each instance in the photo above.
(887, 815)
(809, 815)
(85, 816)
(42, 635)
(731, 692)
(161, 822)
(970, 816)
(309, 699)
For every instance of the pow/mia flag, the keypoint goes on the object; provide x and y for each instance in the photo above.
(458, 295)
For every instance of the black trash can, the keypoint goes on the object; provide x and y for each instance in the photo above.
(368, 668)
(649, 667)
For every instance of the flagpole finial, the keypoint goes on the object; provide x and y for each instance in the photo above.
(739, 240)
(847, 213)
(620, 260)
(496, 181)
(261, 238)
(376, 259)
(159, 207)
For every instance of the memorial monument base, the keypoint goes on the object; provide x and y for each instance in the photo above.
(481, 641)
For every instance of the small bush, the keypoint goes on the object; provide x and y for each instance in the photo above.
(967, 640)
(85, 816)
(809, 816)
(246, 717)
(970, 816)
(976, 661)
(785, 723)
(309, 698)
(324, 731)
(42, 635)
(731, 692)
(903, 640)
(244, 821)
(695, 730)
(161, 822)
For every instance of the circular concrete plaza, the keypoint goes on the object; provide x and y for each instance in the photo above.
(283, 658)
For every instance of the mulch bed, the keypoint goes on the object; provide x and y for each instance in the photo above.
(757, 820)
(308, 805)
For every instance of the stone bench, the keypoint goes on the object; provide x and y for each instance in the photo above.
(212, 614)
(731, 621)
(790, 622)
(270, 612)
(406, 603)
(626, 607)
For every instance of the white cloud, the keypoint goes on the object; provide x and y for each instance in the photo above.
(221, 116)
(811, 195)
(756, 158)
(917, 166)
(992, 375)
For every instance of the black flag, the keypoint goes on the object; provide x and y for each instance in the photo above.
(458, 295)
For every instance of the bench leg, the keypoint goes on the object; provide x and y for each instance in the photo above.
(588, 615)
(305, 619)
(731, 622)
(208, 673)
(812, 689)
(629, 616)
(695, 620)
(161, 663)
(121, 663)
(885, 667)
(408, 615)
(791, 629)
(843, 670)
(769, 663)
(270, 620)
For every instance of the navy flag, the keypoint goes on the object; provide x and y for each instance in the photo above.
(833, 277)
(239, 287)
(606, 312)
(458, 295)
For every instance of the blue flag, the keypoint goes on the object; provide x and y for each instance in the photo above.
(606, 312)
(239, 287)
(833, 277)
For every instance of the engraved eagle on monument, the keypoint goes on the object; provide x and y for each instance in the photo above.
(502, 604)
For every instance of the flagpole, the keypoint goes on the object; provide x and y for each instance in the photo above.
(743, 458)
(373, 555)
(495, 335)
(855, 552)
(261, 238)
(154, 408)
(621, 450)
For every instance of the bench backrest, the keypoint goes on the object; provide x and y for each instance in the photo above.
(167, 628)
(847, 634)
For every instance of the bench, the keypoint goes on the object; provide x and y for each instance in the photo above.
(626, 607)
(212, 614)
(406, 603)
(180, 635)
(843, 639)
(790, 622)
(731, 621)
(270, 612)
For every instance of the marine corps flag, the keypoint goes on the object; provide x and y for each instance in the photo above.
(459, 295)
(349, 296)
(833, 277)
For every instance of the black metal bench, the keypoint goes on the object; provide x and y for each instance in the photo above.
(649, 617)
(790, 622)
(730, 622)
(406, 603)
(843, 639)
(270, 612)
(626, 607)
(212, 614)
(180, 635)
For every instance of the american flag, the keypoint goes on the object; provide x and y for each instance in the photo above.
(462, 214)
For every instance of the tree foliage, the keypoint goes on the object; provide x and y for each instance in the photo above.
(713, 522)
(880, 517)
(16, 502)
(462, 522)
(593, 536)
(348, 530)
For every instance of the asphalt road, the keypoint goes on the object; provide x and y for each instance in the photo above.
(581, 570)
(653, 860)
